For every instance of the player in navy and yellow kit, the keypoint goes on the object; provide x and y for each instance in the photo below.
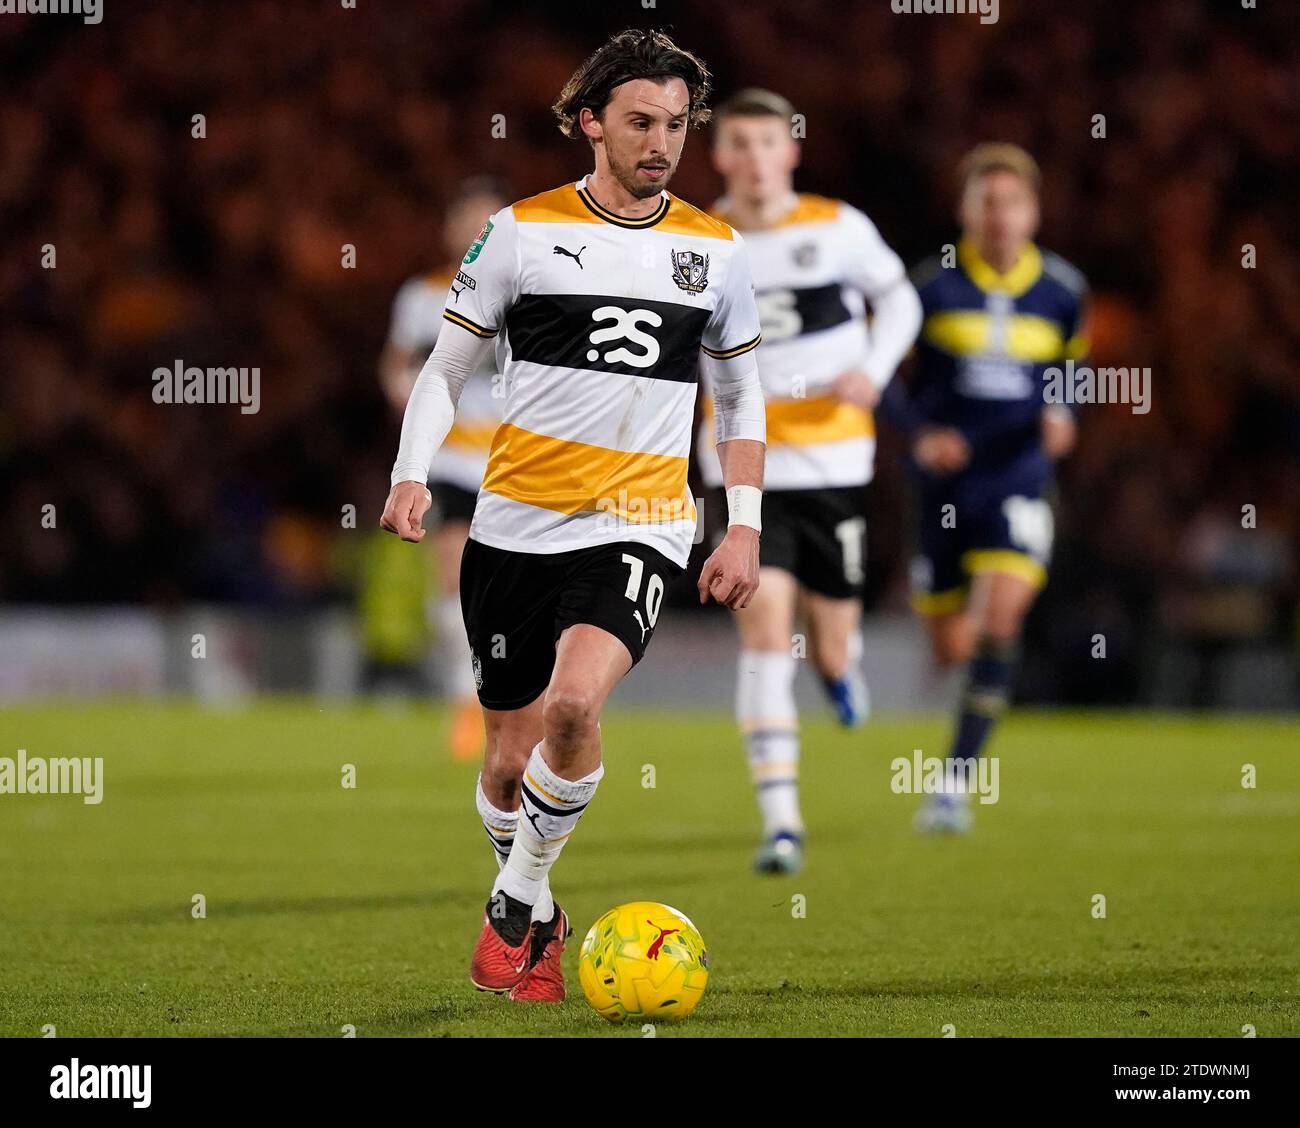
(983, 440)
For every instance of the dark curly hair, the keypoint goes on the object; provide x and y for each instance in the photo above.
(634, 53)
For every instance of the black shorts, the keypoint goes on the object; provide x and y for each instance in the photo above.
(516, 605)
(818, 536)
(453, 503)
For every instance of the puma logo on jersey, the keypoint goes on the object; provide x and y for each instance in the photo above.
(640, 623)
(455, 293)
(625, 328)
(575, 256)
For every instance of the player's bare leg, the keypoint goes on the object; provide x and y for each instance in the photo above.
(999, 603)
(589, 663)
(986, 637)
(952, 637)
(835, 634)
(553, 779)
(511, 737)
(467, 735)
(768, 719)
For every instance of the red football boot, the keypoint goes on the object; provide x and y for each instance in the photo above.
(504, 951)
(544, 981)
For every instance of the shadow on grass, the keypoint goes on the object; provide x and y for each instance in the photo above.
(220, 909)
(293, 906)
(494, 1015)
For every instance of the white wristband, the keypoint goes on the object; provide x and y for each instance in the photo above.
(745, 507)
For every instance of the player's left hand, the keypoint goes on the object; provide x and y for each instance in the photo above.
(730, 575)
(856, 388)
(1057, 431)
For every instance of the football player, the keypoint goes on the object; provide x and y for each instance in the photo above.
(983, 441)
(457, 469)
(609, 294)
(818, 263)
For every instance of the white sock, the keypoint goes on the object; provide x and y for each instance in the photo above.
(766, 713)
(855, 646)
(454, 657)
(501, 827)
(550, 809)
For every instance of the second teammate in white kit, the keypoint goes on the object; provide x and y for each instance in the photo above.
(817, 263)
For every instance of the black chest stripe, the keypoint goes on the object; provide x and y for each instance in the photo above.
(819, 307)
(632, 336)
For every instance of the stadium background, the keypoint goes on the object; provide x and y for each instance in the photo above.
(328, 906)
(328, 126)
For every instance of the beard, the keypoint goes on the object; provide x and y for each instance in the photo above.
(625, 173)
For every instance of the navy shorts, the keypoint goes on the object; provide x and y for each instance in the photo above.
(980, 522)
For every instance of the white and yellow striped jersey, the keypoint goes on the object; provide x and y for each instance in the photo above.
(417, 317)
(813, 272)
(603, 320)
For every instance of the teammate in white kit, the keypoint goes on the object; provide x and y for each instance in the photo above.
(816, 262)
(457, 469)
(611, 295)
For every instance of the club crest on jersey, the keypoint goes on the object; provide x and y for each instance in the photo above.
(690, 271)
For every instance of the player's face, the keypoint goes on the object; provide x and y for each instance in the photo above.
(755, 155)
(999, 211)
(466, 220)
(643, 129)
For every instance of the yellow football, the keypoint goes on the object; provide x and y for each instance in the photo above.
(643, 962)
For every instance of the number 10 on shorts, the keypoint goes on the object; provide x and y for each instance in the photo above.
(654, 595)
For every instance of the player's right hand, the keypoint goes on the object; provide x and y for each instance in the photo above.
(408, 502)
(941, 450)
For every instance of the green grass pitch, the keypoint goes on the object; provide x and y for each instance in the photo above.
(328, 906)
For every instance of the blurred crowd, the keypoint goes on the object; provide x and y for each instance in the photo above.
(221, 241)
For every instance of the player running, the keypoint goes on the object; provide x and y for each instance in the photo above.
(983, 442)
(609, 294)
(816, 263)
(457, 469)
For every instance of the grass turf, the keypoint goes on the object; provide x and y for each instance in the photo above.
(328, 906)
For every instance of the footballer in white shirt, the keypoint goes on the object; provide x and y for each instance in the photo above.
(607, 296)
(817, 263)
(456, 471)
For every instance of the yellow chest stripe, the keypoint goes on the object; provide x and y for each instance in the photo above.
(816, 419)
(571, 477)
(475, 437)
(970, 333)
